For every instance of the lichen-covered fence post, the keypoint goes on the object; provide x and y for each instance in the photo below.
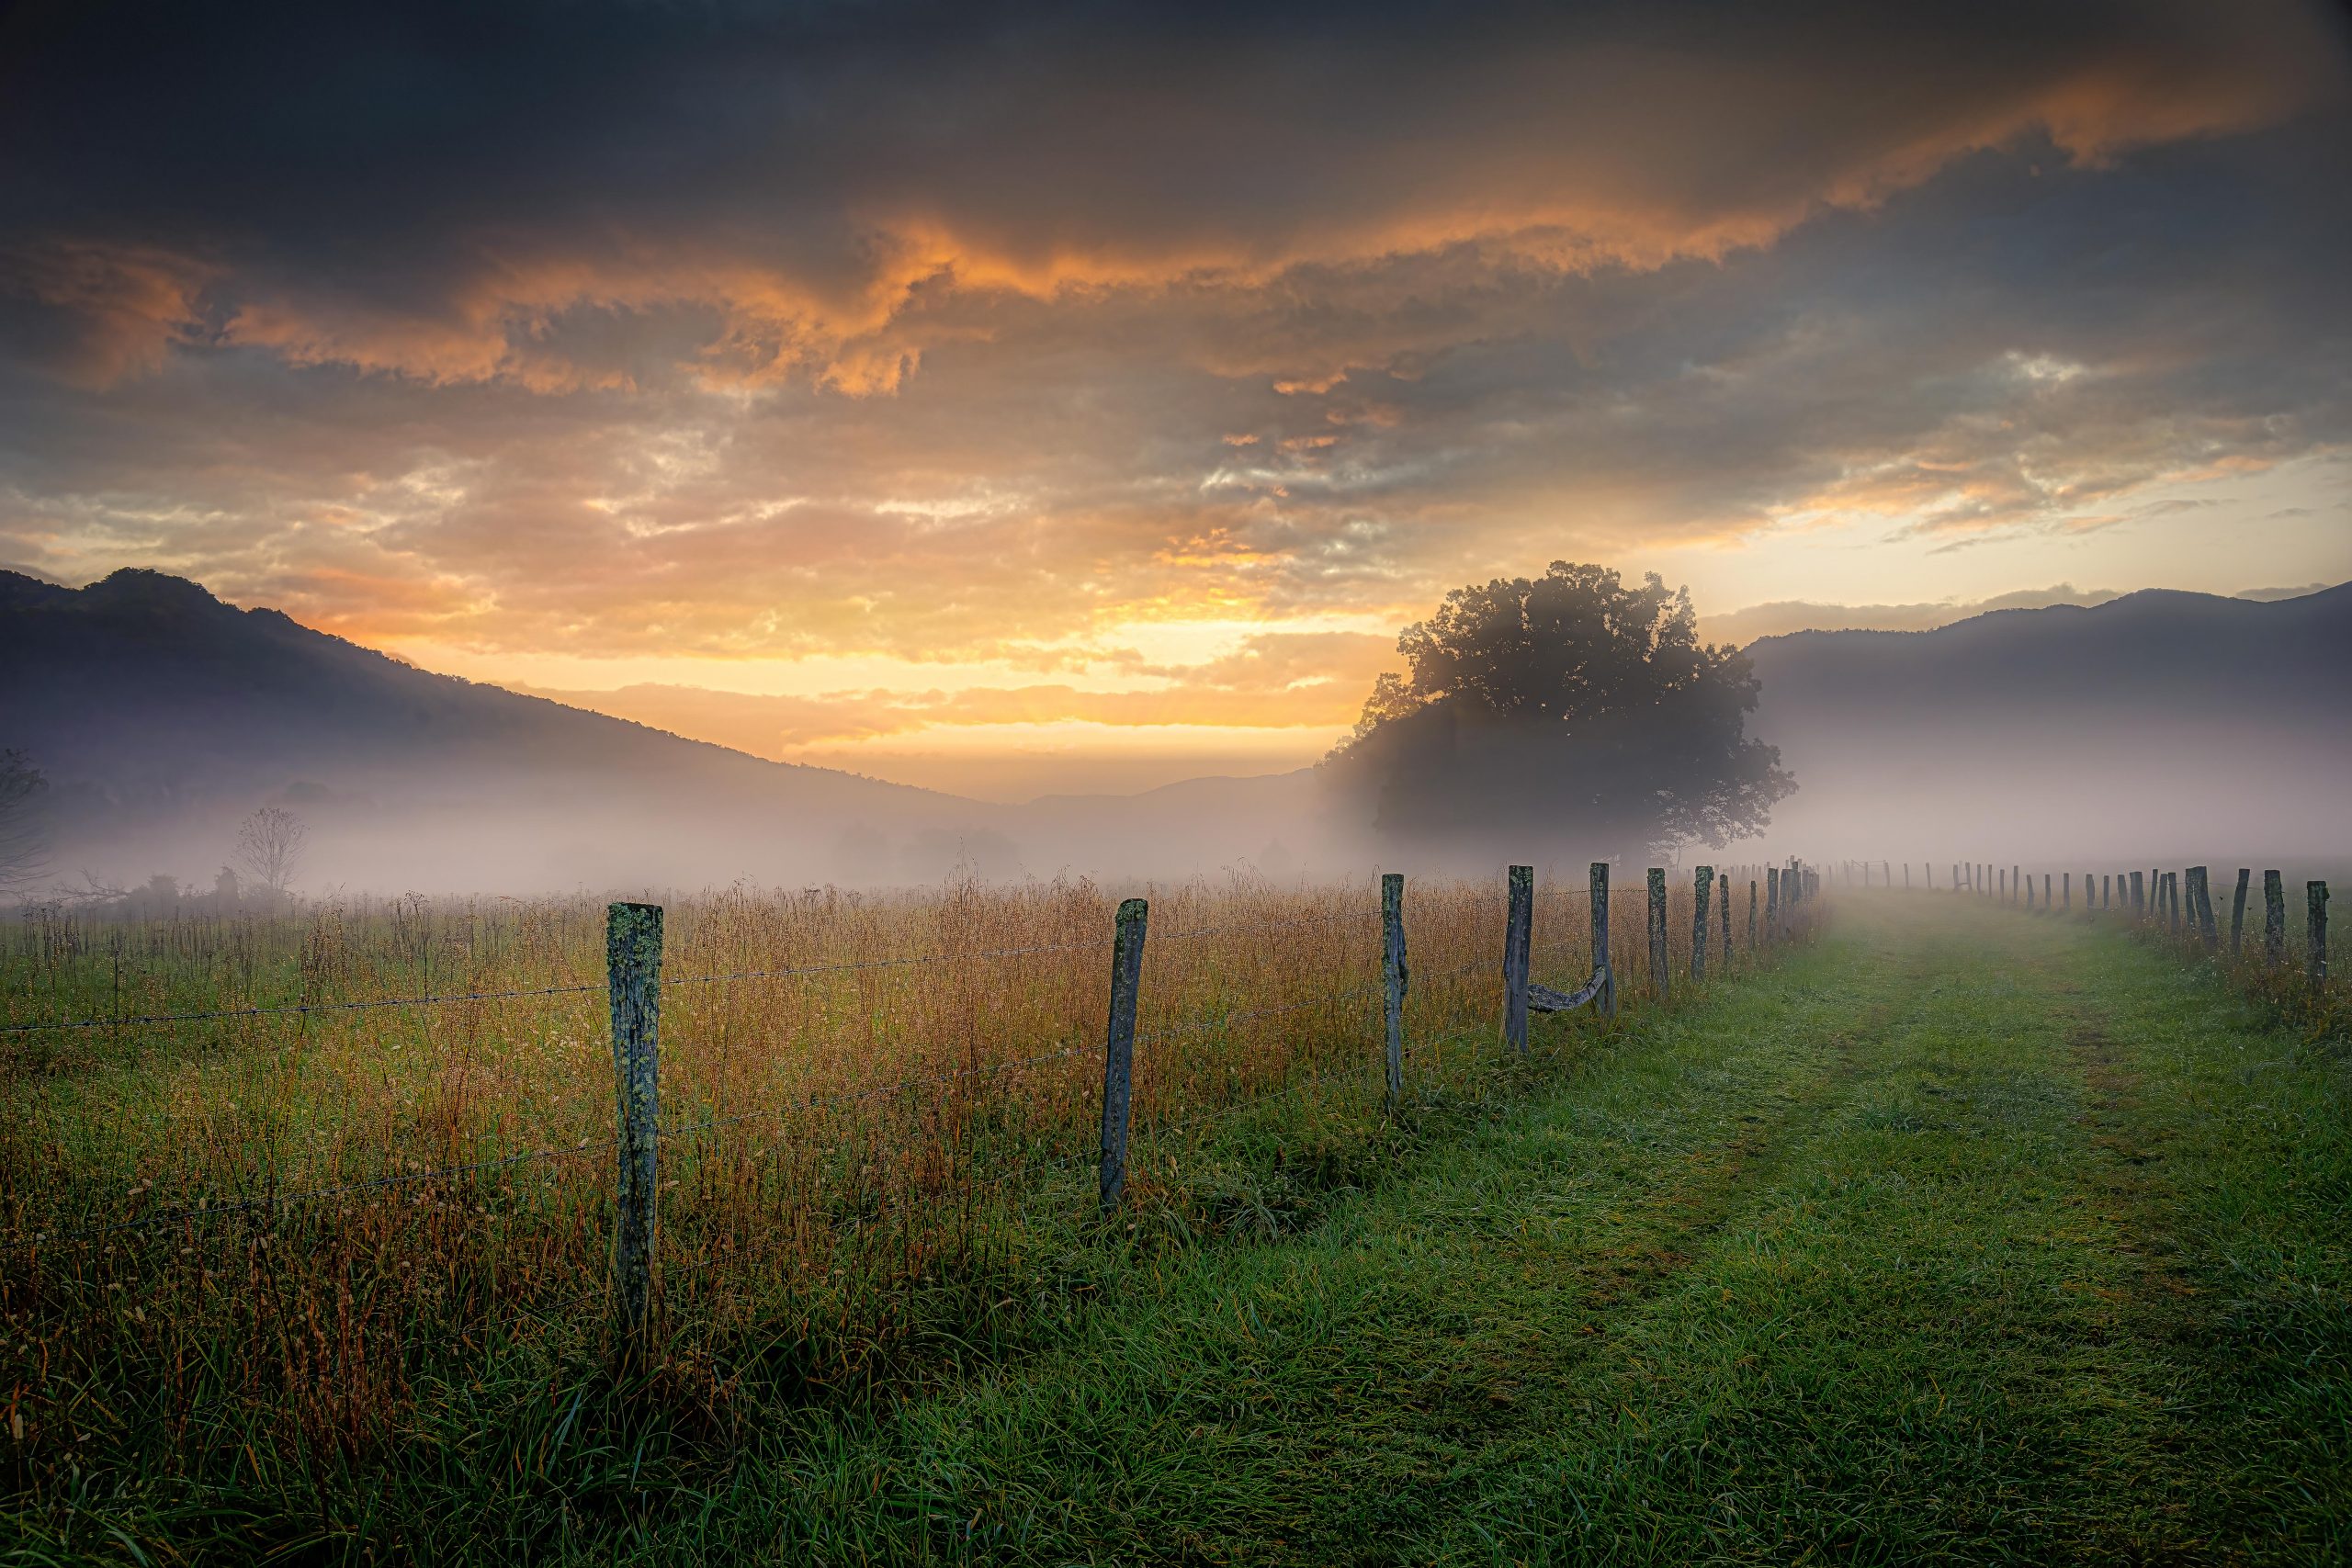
(1119, 1048)
(1518, 939)
(1752, 915)
(1772, 901)
(2315, 931)
(633, 987)
(1600, 959)
(1658, 983)
(2274, 920)
(1722, 902)
(1393, 979)
(2237, 914)
(1703, 882)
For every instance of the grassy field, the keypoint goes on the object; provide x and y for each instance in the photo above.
(1955, 1235)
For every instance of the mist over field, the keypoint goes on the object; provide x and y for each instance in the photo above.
(162, 718)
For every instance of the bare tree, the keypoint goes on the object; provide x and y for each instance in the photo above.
(269, 847)
(24, 823)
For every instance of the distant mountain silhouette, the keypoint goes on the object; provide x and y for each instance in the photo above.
(162, 716)
(2161, 723)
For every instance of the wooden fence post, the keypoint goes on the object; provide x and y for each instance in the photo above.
(2067, 894)
(2202, 889)
(2106, 891)
(1658, 981)
(1119, 1047)
(1393, 979)
(633, 987)
(1600, 959)
(2139, 898)
(2237, 913)
(1751, 914)
(1723, 901)
(1518, 937)
(2315, 930)
(1772, 901)
(2274, 920)
(1703, 882)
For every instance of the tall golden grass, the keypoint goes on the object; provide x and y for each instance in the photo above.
(312, 1218)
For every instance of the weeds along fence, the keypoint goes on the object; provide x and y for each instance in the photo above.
(296, 1167)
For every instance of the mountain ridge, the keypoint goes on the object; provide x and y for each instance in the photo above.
(164, 712)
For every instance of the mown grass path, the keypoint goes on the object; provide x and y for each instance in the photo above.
(1961, 1237)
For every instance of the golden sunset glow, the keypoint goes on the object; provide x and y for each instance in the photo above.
(1121, 429)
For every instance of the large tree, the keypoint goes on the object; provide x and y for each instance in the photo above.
(1568, 709)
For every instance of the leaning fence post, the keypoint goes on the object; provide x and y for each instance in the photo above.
(633, 986)
(1601, 962)
(1119, 1047)
(1598, 884)
(1393, 978)
(2274, 920)
(2208, 931)
(1703, 882)
(1658, 982)
(2237, 913)
(1518, 937)
(2315, 930)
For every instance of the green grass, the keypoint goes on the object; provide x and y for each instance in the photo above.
(1957, 1236)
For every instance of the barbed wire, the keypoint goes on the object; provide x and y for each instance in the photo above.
(205, 1212)
(877, 1091)
(292, 1010)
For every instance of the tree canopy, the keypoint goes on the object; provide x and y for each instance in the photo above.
(1567, 706)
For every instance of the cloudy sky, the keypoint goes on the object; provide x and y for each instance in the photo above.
(1021, 397)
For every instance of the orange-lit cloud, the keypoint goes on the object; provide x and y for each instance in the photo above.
(975, 352)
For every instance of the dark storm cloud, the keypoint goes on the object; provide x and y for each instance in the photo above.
(961, 329)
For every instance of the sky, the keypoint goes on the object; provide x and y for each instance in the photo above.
(1015, 398)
